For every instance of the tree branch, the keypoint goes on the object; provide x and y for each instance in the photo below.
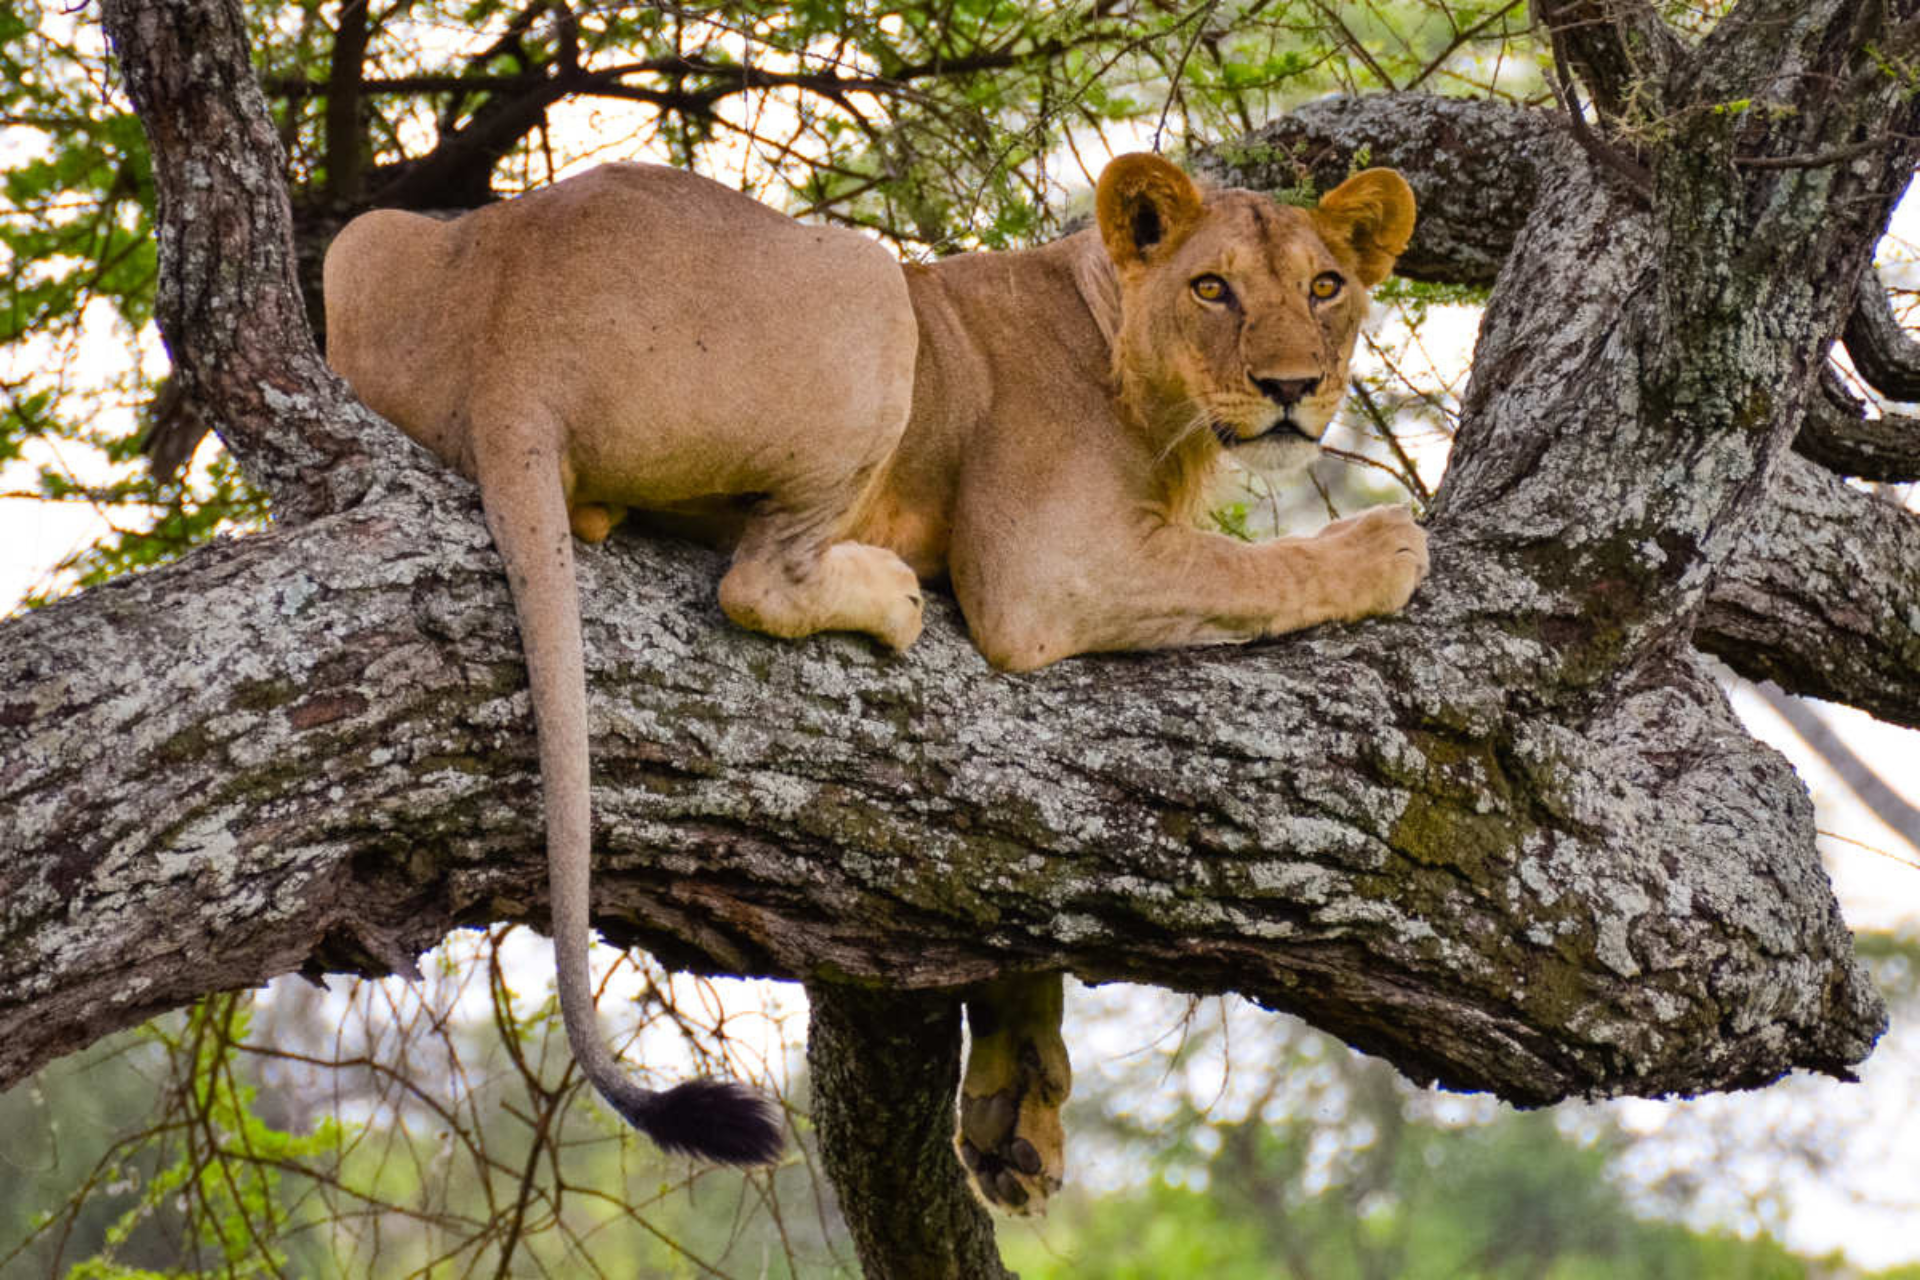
(1840, 436)
(458, 172)
(729, 78)
(1622, 50)
(1638, 179)
(309, 749)
(1883, 352)
(227, 304)
(1822, 596)
(345, 87)
(1889, 56)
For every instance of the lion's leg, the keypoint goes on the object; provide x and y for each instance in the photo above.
(788, 580)
(1017, 1079)
(1171, 586)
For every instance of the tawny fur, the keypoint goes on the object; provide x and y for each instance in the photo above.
(1038, 428)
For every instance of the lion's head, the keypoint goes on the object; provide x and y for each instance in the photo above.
(1238, 314)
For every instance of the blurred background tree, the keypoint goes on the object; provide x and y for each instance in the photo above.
(400, 1128)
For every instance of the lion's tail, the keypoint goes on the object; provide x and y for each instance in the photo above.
(519, 473)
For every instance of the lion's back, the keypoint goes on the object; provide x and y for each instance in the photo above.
(641, 305)
(392, 320)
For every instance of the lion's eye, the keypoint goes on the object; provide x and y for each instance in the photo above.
(1326, 286)
(1211, 289)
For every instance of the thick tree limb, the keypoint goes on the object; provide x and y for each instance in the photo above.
(1883, 352)
(1622, 50)
(309, 750)
(1823, 596)
(229, 309)
(1839, 436)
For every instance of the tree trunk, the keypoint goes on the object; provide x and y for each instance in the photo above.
(884, 1069)
(1512, 840)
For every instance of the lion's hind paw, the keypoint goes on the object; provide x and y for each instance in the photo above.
(1010, 1137)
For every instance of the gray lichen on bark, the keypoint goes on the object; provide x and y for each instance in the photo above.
(1359, 825)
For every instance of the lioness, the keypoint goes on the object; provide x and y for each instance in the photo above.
(1039, 428)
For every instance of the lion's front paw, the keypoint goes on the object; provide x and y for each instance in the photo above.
(1010, 1137)
(882, 594)
(1389, 553)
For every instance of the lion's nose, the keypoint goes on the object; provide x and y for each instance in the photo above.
(1287, 392)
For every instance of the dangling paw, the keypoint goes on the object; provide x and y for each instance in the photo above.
(1010, 1137)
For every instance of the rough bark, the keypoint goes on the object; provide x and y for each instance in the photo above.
(1840, 436)
(884, 1068)
(309, 749)
(1881, 800)
(1884, 353)
(1513, 840)
(228, 308)
(1822, 596)
(1620, 49)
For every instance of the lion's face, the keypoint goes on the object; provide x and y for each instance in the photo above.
(1239, 314)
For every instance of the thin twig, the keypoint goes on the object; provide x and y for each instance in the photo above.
(1631, 171)
(1822, 159)
(1180, 68)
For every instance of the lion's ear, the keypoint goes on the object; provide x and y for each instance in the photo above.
(1370, 214)
(1145, 207)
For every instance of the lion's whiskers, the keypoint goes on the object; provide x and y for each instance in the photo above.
(1200, 420)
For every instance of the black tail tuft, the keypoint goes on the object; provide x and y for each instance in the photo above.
(716, 1120)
